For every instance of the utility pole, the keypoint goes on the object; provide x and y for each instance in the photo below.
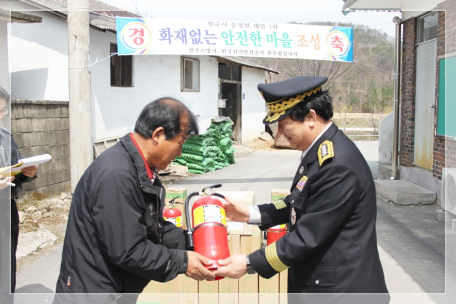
(80, 105)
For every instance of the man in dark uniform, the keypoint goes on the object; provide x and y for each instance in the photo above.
(331, 212)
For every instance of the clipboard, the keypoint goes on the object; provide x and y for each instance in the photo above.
(24, 163)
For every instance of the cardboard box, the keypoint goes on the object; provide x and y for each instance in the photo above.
(148, 298)
(248, 284)
(247, 198)
(208, 292)
(229, 288)
(269, 290)
(181, 193)
(283, 287)
(188, 290)
(277, 194)
(151, 293)
(152, 287)
(169, 292)
(166, 293)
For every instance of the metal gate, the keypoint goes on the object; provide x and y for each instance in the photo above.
(424, 98)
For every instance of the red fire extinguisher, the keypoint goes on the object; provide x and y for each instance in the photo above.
(208, 230)
(172, 214)
(276, 232)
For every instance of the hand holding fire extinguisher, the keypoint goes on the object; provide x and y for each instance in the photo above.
(196, 269)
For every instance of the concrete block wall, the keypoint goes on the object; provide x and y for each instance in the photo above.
(40, 127)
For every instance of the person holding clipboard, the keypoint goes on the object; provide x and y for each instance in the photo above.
(10, 155)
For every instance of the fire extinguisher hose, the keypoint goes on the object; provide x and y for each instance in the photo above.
(191, 245)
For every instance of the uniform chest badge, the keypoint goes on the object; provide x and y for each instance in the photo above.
(293, 216)
(301, 183)
(301, 170)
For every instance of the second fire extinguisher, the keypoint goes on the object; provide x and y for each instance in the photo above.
(208, 232)
(276, 232)
(172, 214)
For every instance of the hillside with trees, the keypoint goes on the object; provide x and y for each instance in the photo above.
(365, 85)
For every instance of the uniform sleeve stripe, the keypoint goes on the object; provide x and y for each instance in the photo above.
(273, 258)
(280, 204)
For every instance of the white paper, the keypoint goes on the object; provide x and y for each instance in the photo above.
(28, 162)
(232, 226)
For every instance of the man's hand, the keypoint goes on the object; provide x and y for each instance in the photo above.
(236, 211)
(196, 269)
(3, 182)
(234, 267)
(30, 171)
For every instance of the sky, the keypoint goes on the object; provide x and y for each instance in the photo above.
(277, 11)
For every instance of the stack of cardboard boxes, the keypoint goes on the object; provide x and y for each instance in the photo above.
(243, 239)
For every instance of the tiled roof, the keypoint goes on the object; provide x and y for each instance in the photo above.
(102, 15)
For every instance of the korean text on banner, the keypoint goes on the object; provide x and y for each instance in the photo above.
(148, 36)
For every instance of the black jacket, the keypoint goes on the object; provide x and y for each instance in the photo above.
(331, 212)
(115, 239)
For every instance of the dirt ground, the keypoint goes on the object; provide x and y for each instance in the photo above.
(261, 144)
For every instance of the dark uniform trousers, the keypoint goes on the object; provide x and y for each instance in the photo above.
(331, 212)
(14, 242)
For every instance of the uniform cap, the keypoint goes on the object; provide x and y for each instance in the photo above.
(282, 96)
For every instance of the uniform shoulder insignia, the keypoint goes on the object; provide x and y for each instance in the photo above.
(326, 151)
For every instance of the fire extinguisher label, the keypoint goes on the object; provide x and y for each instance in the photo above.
(278, 227)
(209, 213)
(177, 221)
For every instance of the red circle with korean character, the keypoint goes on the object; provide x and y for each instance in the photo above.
(337, 43)
(136, 36)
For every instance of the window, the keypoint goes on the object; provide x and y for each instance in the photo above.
(121, 69)
(236, 72)
(230, 71)
(427, 27)
(190, 75)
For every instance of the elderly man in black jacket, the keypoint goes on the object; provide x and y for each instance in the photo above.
(331, 212)
(116, 239)
(11, 185)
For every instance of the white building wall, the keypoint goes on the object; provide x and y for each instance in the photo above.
(253, 105)
(39, 58)
(115, 109)
(39, 71)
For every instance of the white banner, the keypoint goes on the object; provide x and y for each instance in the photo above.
(150, 36)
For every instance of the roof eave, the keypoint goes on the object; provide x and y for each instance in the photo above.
(348, 4)
(226, 59)
(348, 7)
(19, 17)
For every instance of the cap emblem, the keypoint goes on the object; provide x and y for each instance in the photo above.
(279, 107)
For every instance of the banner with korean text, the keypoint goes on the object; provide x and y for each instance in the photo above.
(151, 36)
